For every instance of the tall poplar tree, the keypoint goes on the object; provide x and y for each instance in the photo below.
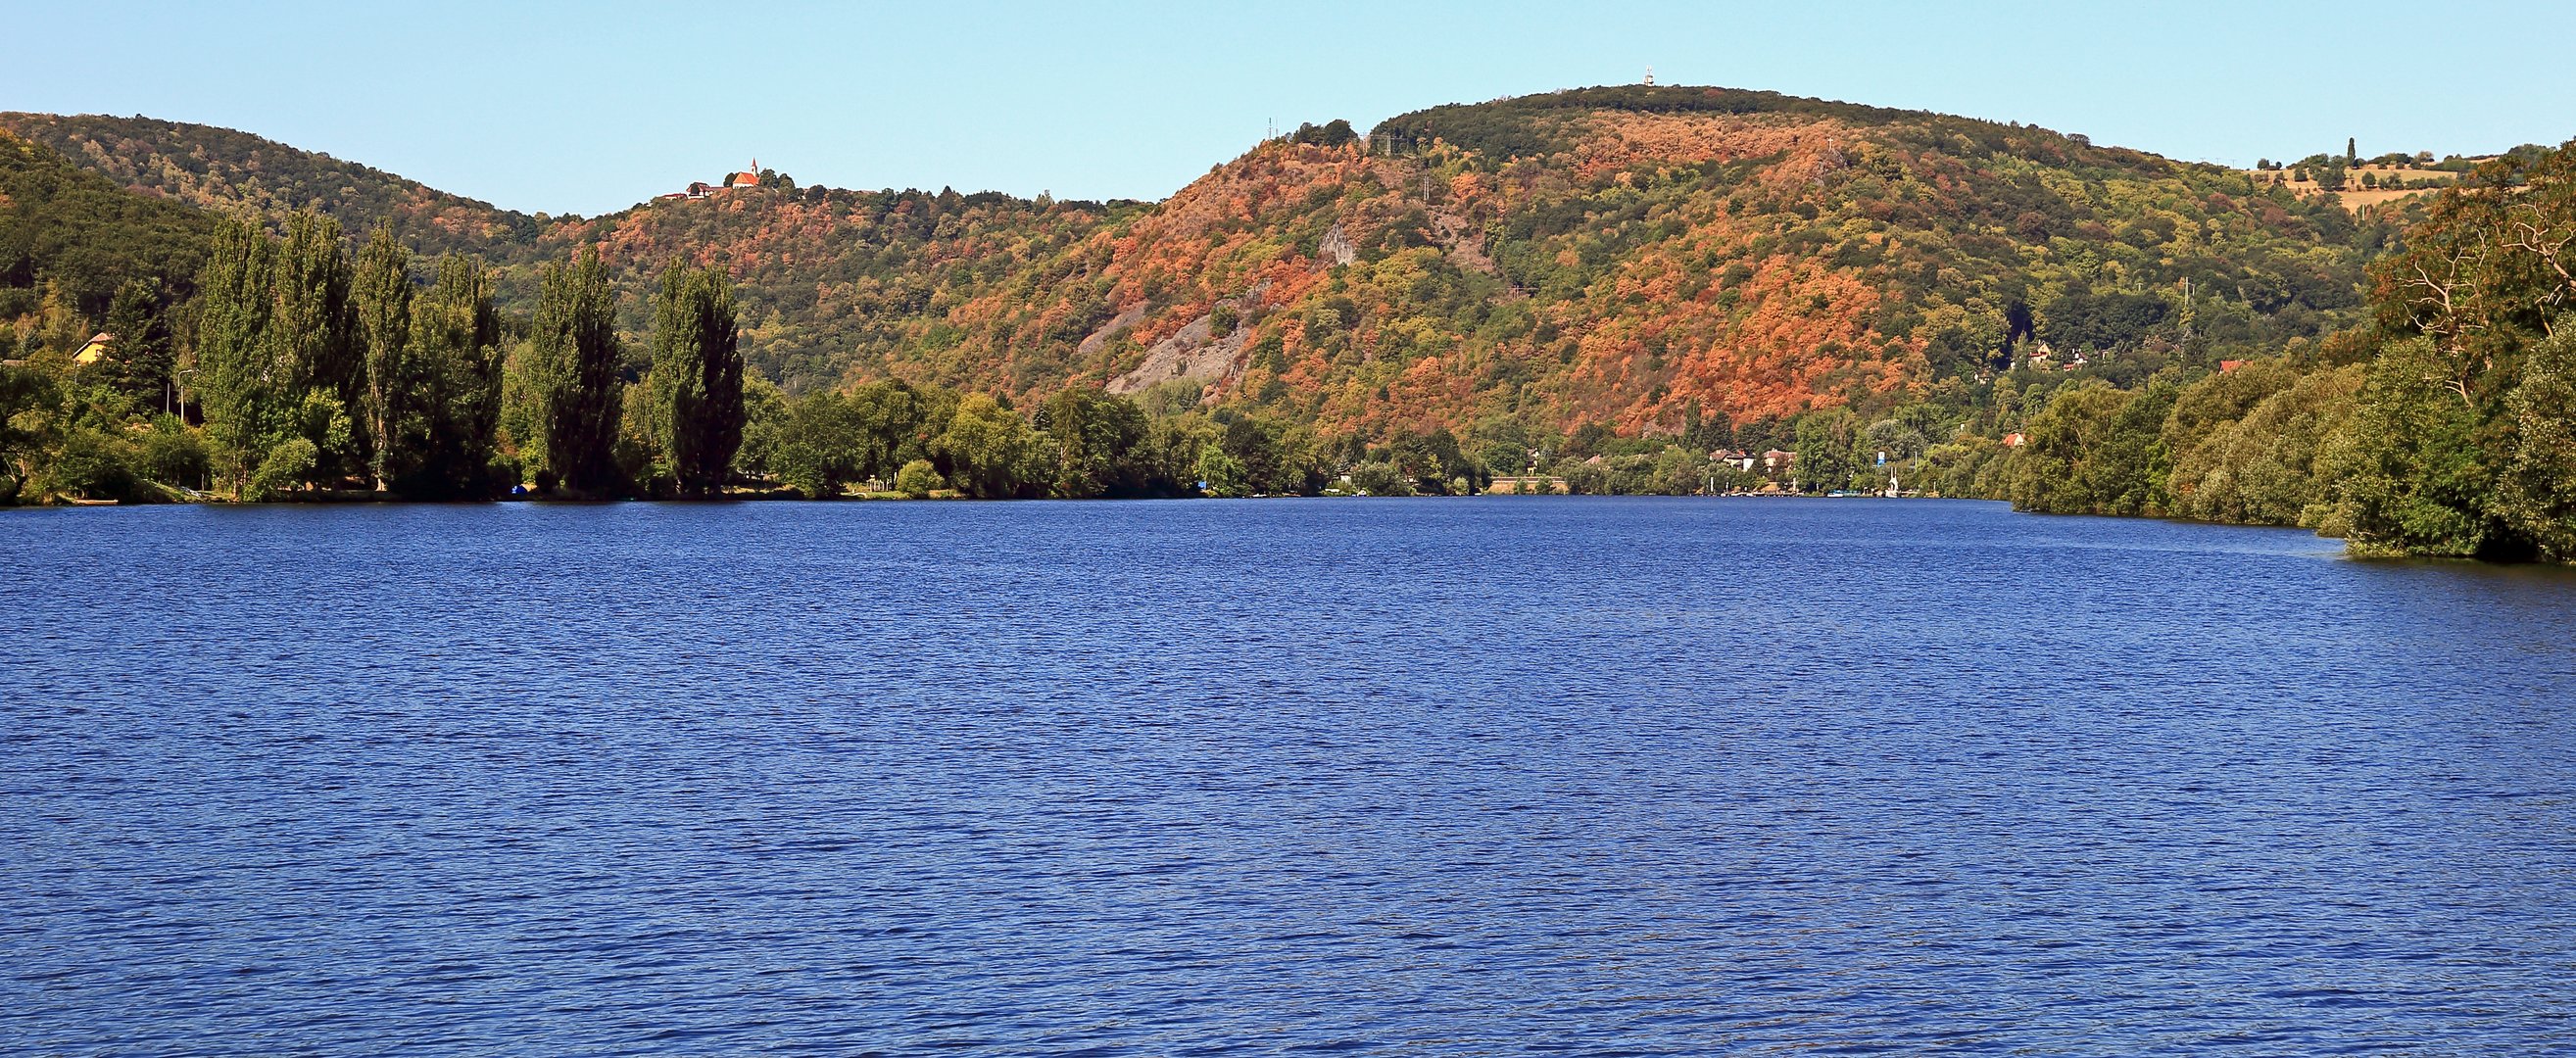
(696, 384)
(456, 341)
(315, 323)
(238, 381)
(577, 359)
(383, 294)
(314, 328)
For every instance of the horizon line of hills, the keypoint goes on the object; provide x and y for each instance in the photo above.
(1331, 132)
(1638, 258)
(1618, 285)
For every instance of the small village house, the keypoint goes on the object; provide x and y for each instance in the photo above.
(747, 178)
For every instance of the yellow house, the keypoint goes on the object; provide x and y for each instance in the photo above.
(95, 351)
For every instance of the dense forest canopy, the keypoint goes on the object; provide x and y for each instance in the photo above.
(1616, 290)
(226, 170)
(76, 237)
(1613, 255)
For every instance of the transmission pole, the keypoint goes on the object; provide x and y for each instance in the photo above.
(2186, 314)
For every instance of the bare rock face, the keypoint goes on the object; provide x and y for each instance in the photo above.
(1129, 317)
(1191, 352)
(1335, 247)
(1464, 244)
(1195, 351)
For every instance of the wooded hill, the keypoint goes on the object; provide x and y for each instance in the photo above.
(79, 235)
(222, 169)
(1638, 258)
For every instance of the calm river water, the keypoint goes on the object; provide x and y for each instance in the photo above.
(1392, 777)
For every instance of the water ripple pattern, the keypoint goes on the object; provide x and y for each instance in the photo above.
(1440, 777)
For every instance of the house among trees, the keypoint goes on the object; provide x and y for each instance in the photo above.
(96, 350)
(701, 189)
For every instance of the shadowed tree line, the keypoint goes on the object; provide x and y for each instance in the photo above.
(2444, 428)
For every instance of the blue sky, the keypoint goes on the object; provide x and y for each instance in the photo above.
(591, 107)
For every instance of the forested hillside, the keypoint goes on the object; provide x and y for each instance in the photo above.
(1620, 290)
(71, 238)
(844, 285)
(1637, 258)
(223, 169)
(1641, 259)
(2443, 426)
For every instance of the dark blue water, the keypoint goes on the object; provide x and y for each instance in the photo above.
(1387, 777)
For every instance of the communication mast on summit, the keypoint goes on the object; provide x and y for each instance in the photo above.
(1650, 77)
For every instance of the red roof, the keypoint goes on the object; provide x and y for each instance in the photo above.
(743, 180)
(2225, 366)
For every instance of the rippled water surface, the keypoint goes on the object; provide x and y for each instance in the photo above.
(1388, 777)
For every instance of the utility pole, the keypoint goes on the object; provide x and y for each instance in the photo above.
(2186, 314)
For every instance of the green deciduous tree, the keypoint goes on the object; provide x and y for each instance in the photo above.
(283, 467)
(2412, 476)
(992, 452)
(918, 479)
(696, 383)
(764, 422)
(2259, 463)
(382, 292)
(2095, 450)
(238, 380)
(896, 424)
(94, 464)
(576, 367)
(454, 415)
(2536, 496)
(314, 328)
(1827, 449)
(144, 355)
(1095, 435)
(822, 445)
